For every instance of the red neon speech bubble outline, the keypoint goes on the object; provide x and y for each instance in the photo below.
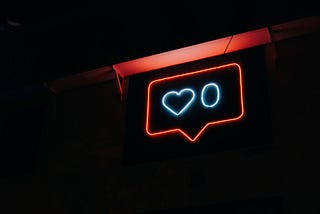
(218, 122)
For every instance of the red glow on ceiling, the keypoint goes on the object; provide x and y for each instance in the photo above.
(175, 57)
(195, 52)
(249, 39)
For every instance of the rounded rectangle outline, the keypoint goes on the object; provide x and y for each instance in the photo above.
(179, 130)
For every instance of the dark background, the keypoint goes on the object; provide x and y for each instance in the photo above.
(63, 153)
(41, 41)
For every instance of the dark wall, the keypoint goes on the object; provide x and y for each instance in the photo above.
(72, 162)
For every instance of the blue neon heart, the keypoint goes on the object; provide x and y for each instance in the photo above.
(183, 92)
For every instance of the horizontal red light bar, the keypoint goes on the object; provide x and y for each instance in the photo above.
(195, 52)
(175, 57)
(249, 39)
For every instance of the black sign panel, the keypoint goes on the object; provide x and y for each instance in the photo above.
(198, 108)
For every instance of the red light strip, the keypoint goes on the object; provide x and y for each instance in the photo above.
(192, 53)
(178, 130)
(195, 52)
(249, 39)
(174, 57)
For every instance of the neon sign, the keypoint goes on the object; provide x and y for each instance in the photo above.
(191, 96)
(188, 104)
(204, 95)
(184, 91)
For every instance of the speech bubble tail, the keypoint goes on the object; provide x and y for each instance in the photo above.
(193, 138)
